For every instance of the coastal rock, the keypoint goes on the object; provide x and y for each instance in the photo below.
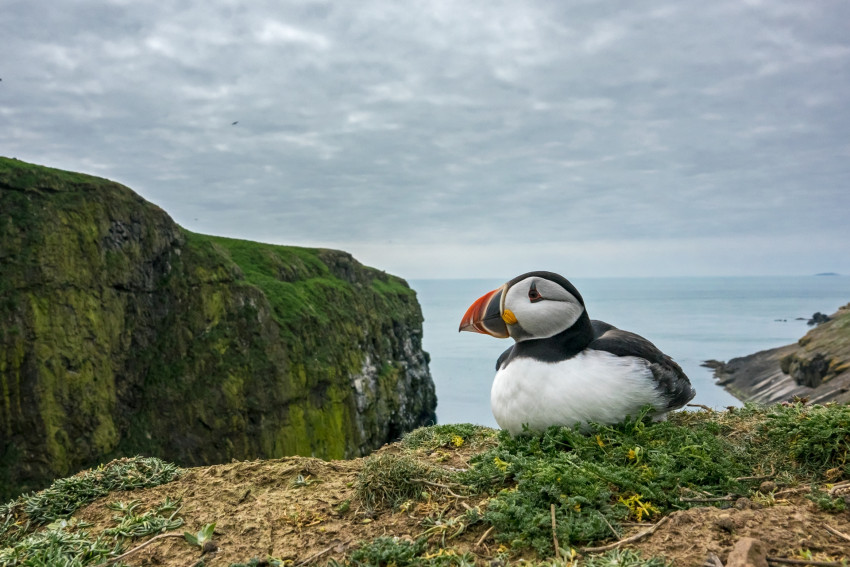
(816, 368)
(817, 319)
(121, 333)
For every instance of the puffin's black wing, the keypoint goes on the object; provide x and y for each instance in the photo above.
(503, 357)
(670, 378)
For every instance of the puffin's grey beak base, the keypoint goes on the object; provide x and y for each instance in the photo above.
(485, 316)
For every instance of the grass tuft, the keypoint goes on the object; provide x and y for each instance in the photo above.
(390, 480)
(624, 558)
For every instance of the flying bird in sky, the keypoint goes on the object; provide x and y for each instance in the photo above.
(565, 368)
(234, 123)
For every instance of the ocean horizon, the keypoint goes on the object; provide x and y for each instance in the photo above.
(692, 319)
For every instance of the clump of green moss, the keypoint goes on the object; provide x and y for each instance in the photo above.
(817, 438)
(451, 435)
(397, 552)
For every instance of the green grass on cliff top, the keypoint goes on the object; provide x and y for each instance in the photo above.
(595, 479)
(640, 471)
(296, 279)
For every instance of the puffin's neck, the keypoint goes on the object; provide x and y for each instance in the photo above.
(562, 346)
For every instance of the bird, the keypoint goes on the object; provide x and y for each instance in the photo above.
(565, 369)
(234, 123)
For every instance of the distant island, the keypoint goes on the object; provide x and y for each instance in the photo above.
(828, 274)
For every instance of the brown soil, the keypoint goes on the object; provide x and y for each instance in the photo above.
(261, 510)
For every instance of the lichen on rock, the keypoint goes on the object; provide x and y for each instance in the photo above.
(122, 333)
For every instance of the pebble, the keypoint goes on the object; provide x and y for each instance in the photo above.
(748, 552)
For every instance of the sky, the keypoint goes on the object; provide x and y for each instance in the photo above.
(447, 139)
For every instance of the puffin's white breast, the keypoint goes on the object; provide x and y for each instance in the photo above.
(594, 385)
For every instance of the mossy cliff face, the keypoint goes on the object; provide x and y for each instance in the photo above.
(122, 333)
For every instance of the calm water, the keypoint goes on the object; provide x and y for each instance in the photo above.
(691, 319)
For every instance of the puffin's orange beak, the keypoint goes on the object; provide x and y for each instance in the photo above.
(485, 316)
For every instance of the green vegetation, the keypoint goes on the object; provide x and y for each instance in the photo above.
(396, 552)
(623, 558)
(634, 471)
(388, 551)
(638, 471)
(133, 525)
(203, 535)
(449, 436)
(65, 496)
(65, 541)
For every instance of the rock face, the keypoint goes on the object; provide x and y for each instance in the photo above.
(817, 367)
(122, 333)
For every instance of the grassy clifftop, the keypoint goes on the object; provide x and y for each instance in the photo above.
(634, 494)
(122, 333)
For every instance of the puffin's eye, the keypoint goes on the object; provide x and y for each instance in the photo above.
(534, 295)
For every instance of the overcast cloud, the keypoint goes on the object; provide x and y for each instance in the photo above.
(458, 139)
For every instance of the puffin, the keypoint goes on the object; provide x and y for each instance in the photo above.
(564, 368)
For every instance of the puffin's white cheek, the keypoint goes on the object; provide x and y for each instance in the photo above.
(546, 319)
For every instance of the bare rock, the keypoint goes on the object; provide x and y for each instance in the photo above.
(748, 552)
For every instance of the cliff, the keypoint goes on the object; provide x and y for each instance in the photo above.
(817, 367)
(122, 333)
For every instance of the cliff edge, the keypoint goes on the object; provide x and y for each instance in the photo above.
(817, 367)
(122, 333)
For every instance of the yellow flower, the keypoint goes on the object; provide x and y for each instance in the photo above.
(637, 508)
(599, 441)
(457, 440)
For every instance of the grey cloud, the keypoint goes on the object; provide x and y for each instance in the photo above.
(445, 123)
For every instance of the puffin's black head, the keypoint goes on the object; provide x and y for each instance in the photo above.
(535, 305)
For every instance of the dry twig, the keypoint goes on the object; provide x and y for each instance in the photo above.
(482, 538)
(613, 531)
(712, 499)
(706, 408)
(554, 531)
(138, 547)
(832, 530)
(840, 486)
(438, 485)
(804, 562)
(793, 490)
(320, 553)
(630, 539)
(758, 477)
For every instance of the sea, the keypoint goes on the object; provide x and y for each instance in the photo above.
(692, 319)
